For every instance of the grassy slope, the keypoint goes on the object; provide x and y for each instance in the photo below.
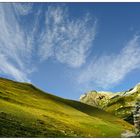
(26, 111)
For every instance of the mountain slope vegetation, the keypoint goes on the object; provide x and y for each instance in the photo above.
(121, 104)
(26, 111)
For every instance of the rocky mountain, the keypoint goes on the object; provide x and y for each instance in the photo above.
(98, 99)
(120, 104)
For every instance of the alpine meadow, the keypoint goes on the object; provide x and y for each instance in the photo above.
(70, 70)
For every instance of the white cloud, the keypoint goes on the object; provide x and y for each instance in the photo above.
(23, 8)
(15, 49)
(9, 69)
(109, 70)
(67, 40)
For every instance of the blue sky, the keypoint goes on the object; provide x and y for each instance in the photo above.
(71, 48)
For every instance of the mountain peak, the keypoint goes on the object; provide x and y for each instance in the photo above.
(120, 104)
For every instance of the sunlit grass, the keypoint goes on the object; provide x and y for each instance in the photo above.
(29, 112)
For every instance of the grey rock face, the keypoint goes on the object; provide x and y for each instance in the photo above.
(137, 118)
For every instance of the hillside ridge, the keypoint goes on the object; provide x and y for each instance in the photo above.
(26, 111)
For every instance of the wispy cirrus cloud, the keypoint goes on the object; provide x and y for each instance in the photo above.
(108, 70)
(8, 68)
(15, 50)
(67, 40)
(23, 8)
(64, 39)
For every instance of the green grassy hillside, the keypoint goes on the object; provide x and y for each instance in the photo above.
(26, 111)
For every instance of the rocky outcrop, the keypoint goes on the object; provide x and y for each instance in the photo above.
(120, 104)
(137, 118)
(97, 99)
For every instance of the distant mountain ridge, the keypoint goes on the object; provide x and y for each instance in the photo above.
(120, 104)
